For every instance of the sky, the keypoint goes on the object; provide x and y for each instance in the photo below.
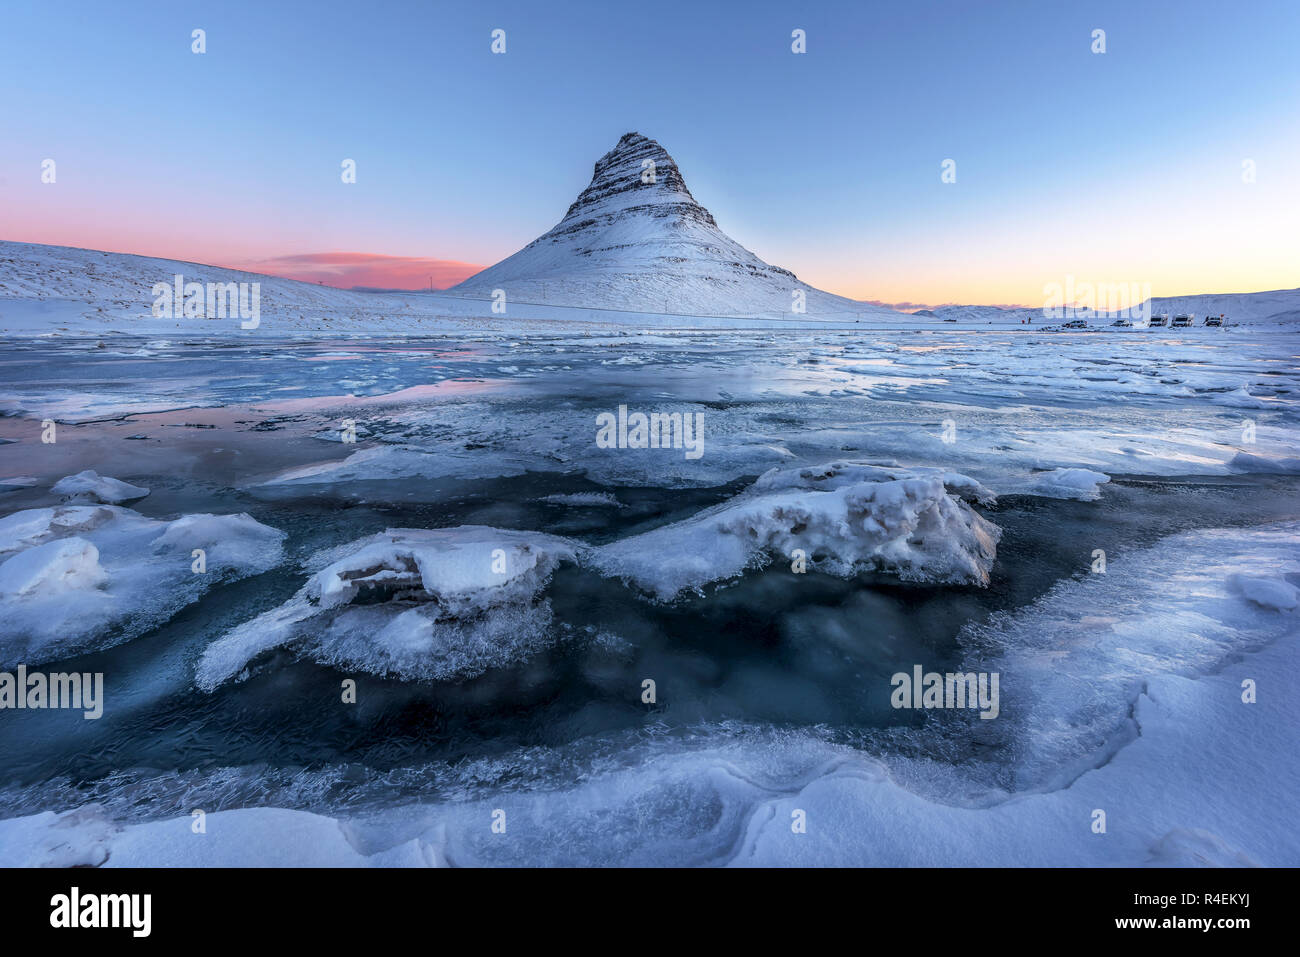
(1171, 160)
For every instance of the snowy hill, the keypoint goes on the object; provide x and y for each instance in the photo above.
(1249, 308)
(35, 272)
(636, 238)
(1277, 307)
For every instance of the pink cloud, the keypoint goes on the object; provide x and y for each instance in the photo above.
(916, 306)
(370, 270)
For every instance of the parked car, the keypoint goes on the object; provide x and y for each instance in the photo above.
(1156, 322)
(1214, 320)
(1182, 322)
(1075, 324)
(1121, 322)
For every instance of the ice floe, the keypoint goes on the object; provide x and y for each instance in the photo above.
(841, 518)
(90, 486)
(1084, 485)
(77, 578)
(415, 603)
(583, 500)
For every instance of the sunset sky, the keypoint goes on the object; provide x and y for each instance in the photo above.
(1125, 166)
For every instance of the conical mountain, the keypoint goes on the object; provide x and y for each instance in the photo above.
(637, 239)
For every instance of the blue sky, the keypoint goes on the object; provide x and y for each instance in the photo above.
(1122, 166)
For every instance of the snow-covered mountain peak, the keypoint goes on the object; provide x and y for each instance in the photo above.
(637, 239)
(636, 175)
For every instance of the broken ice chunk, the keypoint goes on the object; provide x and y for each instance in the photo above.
(90, 486)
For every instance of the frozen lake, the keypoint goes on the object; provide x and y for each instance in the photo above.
(977, 476)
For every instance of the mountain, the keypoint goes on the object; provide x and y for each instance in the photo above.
(636, 238)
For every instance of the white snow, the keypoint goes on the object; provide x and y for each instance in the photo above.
(831, 475)
(231, 541)
(63, 291)
(1248, 463)
(90, 486)
(386, 462)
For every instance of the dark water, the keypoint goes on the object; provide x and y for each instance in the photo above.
(802, 650)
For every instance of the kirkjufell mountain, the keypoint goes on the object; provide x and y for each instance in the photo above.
(635, 241)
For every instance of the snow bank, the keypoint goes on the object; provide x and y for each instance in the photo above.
(90, 486)
(415, 603)
(77, 578)
(845, 517)
(231, 541)
(1073, 662)
(246, 837)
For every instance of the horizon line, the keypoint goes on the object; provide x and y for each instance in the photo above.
(449, 268)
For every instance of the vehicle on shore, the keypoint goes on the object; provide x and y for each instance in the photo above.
(1182, 322)
(1156, 322)
(1214, 320)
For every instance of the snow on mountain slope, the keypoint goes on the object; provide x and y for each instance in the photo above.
(31, 271)
(637, 238)
(61, 290)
